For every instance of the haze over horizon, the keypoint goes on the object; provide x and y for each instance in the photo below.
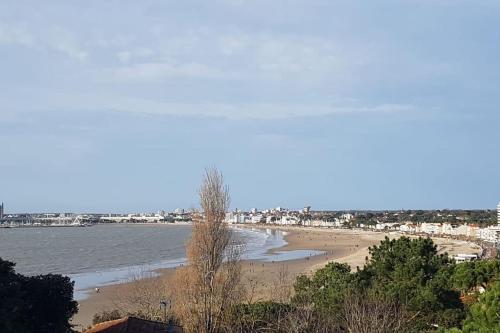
(118, 106)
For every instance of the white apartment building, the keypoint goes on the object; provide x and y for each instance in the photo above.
(388, 226)
(256, 218)
(346, 217)
(409, 228)
(490, 234)
(430, 228)
(320, 223)
(288, 220)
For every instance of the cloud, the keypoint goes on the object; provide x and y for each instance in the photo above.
(235, 111)
(63, 41)
(235, 56)
(52, 38)
(158, 71)
(128, 55)
(15, 35)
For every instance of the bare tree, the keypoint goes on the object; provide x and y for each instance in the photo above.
(210, 283)
(282, 285)
(306, 320)
(367, 314)
(143, 296)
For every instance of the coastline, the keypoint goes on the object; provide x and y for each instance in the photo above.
(261, 244)
(341, 245)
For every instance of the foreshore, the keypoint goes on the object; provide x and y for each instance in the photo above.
(341, 245)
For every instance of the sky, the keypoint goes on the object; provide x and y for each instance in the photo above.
(118, 106)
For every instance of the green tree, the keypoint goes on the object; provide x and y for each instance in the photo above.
(408, 273)
(411, 272)
(49, 303)
(10, 303)
(326, 289)
(468, 276)
(41, 304)
(484, 316)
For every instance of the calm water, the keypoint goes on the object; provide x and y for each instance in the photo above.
(106, 254)
(72, 250)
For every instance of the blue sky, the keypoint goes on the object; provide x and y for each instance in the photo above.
(119, 105)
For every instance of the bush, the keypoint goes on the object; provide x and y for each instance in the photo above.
(106, 316)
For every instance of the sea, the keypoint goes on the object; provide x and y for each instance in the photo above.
(107, 254)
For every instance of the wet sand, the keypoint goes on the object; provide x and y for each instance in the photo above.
(261, 278)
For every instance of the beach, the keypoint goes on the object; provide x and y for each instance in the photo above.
(261, 277)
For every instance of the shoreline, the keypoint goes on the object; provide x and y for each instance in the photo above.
(341, 245)
(264, 248)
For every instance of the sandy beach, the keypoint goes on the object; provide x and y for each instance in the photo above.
(345, 246)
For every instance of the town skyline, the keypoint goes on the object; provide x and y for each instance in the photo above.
(4, 212)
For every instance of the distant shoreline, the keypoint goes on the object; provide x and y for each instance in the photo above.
(93, 224)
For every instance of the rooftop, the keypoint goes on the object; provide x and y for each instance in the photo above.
(134, 325)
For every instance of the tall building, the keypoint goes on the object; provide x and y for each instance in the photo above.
(1, 211)
(498, 214)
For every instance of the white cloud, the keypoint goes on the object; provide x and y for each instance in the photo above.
(15, 35)
(64, 41)
(240, 111)
(52, 38)
(160, 71)
(240, 56)
(124, 56)
(128, 55)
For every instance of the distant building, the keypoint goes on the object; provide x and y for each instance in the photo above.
(346, 217)
(465, 257)
(431, 228)
(1, 211)
(490, 234)
(498, 214)
(179, 211)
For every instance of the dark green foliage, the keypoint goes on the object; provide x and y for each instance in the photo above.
(484, 316)
(39, 304)
(468, 276)
(411, 272)
(483, 218)
(326, 290)
(406, 286)
(403, 271)
(10, 303)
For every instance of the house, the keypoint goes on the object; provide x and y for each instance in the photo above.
(409, 228)
(288, 220)
(490, 234)
(134, 325)
(430, 228)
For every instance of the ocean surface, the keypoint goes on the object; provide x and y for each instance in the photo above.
(107, 254)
